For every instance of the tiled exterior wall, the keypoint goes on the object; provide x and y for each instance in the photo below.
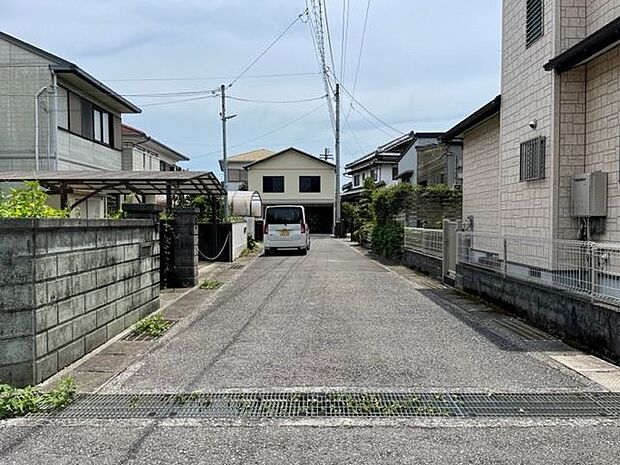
(602, 131)
(77, 153)
(601, 12)
(527, 93)
(481, 176)
(573, 22)
(572, 125)
(67, 286)
(19, 83)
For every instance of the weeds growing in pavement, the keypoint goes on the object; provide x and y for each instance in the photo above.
(211, 284)
(16, 402)
(153, 325)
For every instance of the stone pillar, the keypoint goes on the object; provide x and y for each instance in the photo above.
(142, 211)
(186, 246)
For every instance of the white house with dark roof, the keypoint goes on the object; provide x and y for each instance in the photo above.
(237, 175)
(293, 176)
(55, 116)
(141, 152)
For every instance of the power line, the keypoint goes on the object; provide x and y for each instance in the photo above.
(346, 9)
(169, 102)
(316, 30)
(273, 42)
(359, 57)
(353, 99)
(214, 78)
(329, 36)
(375, 125)
(312, 99)
(273, 131)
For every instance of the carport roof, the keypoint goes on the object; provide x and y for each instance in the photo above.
(122, 182)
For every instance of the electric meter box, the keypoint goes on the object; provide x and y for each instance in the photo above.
(589, 195)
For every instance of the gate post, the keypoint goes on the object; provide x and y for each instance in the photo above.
(186, 247)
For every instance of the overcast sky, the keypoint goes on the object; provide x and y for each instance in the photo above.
(425, 65)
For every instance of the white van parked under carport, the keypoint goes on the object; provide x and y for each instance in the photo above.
(285, 227)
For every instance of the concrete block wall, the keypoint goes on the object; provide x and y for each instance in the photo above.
(599, 13)
(67, 286)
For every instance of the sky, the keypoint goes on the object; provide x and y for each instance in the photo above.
(423, 66)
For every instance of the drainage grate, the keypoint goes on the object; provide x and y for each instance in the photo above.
(522, 330)
(287, 405)
(237, 266)
(132, 336)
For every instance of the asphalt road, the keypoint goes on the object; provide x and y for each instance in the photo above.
(331, 320)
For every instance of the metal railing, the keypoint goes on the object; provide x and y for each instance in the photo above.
(590, 269)
(425, 241)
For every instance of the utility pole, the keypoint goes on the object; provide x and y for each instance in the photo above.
(337, 228)
(224, 158)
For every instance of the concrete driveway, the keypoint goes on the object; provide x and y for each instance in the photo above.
(332, 320)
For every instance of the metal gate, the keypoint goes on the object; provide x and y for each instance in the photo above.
(450, 229)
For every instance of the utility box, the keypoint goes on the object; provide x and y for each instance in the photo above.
(589, 195)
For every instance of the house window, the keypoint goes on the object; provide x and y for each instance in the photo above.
(309, 184)
(533, 159)
(273, 184)
(236, 175)
(88, 121)
(394, 172)
(356, 180)
(534, 21)
(373, 173)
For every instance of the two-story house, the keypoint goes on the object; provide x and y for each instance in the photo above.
(294, 177)
(441, 163)
(141, 152)
(409, 146)
(55, 116)
(237, 175)
(381, 165)
(557, 120)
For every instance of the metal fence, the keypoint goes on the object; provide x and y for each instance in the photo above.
(425, 241)
(589, 269)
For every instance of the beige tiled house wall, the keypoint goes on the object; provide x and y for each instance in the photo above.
(602, 131)
(600, 12)
(480, 176)
(527, 94)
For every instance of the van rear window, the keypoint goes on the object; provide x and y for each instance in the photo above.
(284, 215)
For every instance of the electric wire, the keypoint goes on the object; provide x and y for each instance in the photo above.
(346, 9)
(213, 78)
(359, 56)
(240, 99)
(273, 42)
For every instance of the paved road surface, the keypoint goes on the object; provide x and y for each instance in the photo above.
(333, 319)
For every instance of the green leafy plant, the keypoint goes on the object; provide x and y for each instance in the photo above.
(153, 325)
(211, 284)
(117, 215)
(252, 243)
(28, 202)
(15, 402)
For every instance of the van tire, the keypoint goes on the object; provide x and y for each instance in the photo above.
(267, 252)
(304, 251)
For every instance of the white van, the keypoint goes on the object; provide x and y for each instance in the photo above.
(285, 227)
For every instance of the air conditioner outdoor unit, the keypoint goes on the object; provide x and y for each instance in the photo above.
(589, 195)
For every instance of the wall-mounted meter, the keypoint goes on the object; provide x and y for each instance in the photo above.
(589, 195)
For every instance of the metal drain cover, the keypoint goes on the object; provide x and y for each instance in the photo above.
(237, 266)
(290, 404)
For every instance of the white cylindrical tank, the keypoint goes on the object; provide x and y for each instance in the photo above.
(245, 203)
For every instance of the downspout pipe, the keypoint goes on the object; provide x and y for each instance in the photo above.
(54, 113)
(36, 128)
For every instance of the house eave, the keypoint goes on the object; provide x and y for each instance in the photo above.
(586, 50)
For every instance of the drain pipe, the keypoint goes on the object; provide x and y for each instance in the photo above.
(36, 128)
(54, 119)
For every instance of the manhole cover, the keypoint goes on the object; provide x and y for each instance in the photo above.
(288, 405)
(133, 336)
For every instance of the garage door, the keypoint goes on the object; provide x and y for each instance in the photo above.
(320, 218)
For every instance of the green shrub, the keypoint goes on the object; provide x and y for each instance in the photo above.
(211, 284)
(15, 402)
(28, 202)
(387, 239)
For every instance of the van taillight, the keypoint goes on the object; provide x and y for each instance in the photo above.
(266, 229)
(303, 228)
